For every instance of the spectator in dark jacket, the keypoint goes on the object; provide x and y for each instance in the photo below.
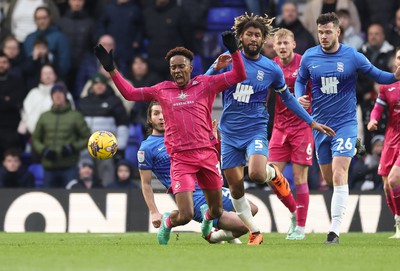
(59, 136)
(393, 35)
(79, 29)
(13, 174)
(58, 43)
(12, 95)
(12, 50)
(123, 20)
(166, 26)
(124, 174)
(89, 65)
(87, 178)
(33, 64)
(290, 20)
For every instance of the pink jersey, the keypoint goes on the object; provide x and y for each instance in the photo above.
(389, 97)
(186, 110)
(284, 117)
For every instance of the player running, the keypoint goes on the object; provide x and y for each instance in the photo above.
(292, 139)
(153, 157)
(244, 119)
(389, 165)
(332, 68)
(189, 139)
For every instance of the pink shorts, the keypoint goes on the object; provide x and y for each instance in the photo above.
(389, 157)
(195, 166)
(292, 145)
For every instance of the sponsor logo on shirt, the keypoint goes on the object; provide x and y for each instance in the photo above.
(243, 93)
(329, 85)
(391, 89)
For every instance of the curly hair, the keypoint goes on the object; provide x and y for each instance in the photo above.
(179, 51)
(245, 21)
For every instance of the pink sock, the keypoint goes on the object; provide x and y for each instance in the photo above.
(168, 223)
(390, 201)
(288, 201)
(396, 199)
(207, 215)
(302, 200)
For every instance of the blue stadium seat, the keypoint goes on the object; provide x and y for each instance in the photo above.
(38, 173)
(222, 18)
(135, 138)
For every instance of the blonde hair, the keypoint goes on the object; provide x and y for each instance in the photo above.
(245, 21)
(283, 32)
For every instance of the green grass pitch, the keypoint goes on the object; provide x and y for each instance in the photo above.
(140, 251)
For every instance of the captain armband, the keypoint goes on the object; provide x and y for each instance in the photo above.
(280, 90)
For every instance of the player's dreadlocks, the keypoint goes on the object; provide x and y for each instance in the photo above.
(245, 21)
(181, 51)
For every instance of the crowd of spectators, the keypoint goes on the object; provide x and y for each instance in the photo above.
(46, 56)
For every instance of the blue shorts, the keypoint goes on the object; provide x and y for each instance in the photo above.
(199, 199)
(342, 144)
(236, 152)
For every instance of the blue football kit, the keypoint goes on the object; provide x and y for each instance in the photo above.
(333, 80)
(152, 155)
(244, 120)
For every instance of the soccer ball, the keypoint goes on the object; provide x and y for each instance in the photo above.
(102, 145)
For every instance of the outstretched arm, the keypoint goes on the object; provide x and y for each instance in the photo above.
(127, 90)
(225, 80)
(148, 194)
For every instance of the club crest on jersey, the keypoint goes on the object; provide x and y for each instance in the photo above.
(340, 67)
(182, 96)
(260, 75)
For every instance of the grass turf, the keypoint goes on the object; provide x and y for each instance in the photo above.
(140, 251)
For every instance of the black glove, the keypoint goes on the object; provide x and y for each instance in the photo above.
(106, 58)
(67, 150)
(49, 154)
(229, 40)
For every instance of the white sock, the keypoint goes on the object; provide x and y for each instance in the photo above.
(300, 229)
(243, 210)
(270, 173)
(221, 235)
(338, 206)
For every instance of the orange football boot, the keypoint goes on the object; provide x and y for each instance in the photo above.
(255, 239)
(280, 182)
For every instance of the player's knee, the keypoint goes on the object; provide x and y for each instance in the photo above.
(394, 180)
(257, 176)
(237, 191)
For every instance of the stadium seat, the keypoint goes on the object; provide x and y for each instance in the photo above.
(222, 18)
(38, 173)
(135, 138)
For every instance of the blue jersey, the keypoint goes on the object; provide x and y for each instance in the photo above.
(333, 80)
(244, 104)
